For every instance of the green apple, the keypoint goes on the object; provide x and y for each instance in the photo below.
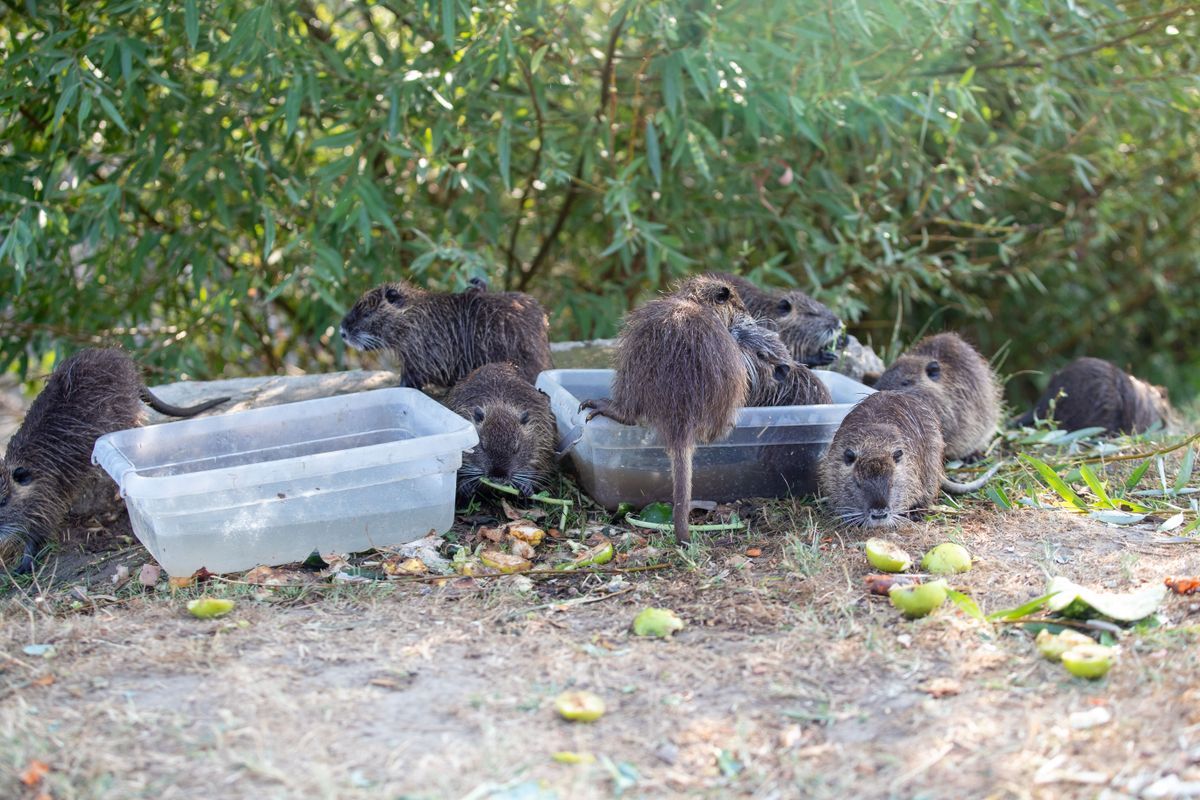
(917, 600)
(1089, 661)
(1053, 645)
(947, 558)
(660, 622)
(886, 556)
(209, 607)
(579, 706)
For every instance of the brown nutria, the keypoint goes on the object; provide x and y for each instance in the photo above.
(775, 379)
(92, 393)
(515, 426)
(1093, 393)
(885, 461)
(961, 384)
(679, 371)
(808, 328)
(442, 337)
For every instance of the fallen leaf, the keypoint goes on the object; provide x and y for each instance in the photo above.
(35, 772)
(882, 583)
(180, 582)
(754, 552)
(1183, 585)
(45, 680)
(492, 534)
(149, 575)
(940, 687)
(409, 566)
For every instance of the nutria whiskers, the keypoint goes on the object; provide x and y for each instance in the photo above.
(442, 337)
(92, 393)
(515, 427)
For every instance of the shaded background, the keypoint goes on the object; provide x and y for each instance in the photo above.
(212, 183)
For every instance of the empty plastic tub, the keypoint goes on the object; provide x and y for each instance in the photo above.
(771, 452)
(269, 486)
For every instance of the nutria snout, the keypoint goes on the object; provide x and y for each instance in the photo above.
(515, 426)
(442, 337)
(92, 393)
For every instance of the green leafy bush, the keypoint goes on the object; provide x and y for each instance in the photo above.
(211, 183)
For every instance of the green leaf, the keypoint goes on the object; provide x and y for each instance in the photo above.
(268, 232)
(967, 76)
(536, 62)
(969, 606)
(191, 23)
(1185, 470)
(291, 104)
(448, 22)
(504, 155)
(1095, 485)
(1051, 479)
(112, 112)
(1132, 481)
(999, 497)
(1023, 610)
(653, 155)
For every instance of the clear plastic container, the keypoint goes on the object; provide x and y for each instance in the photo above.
(771, 452)
(270, 485)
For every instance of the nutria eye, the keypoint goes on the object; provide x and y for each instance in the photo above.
(896, 456)
(849, 456)
(22, 476)
(934, 370)
(525, 418)
(785, 307)
(392, 296)
(762, 356)
(478, 414)
(723, 295)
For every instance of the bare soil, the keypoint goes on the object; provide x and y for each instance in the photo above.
(788, 681)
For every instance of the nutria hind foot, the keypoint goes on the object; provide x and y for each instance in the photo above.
(603, 407)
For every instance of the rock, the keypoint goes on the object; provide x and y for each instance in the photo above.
(856, 360)
(1092, 718)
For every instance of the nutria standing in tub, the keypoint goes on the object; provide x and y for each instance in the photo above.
(92, 393)
(679, 371)
(775, 379)
(885, 461)
(441, 337)
(961, 385)
(1093, 393)
(809, 328)
(515, 427)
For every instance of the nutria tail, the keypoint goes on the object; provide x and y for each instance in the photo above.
(954, 487)
(681, 472)
(150, 399)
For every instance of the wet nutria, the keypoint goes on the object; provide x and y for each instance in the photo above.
(679, 371)
(885, 461)
(809, 328)
(92, 393)
(775, 379)
(1093, 393)
(964, 390)
(442, 337)
(515, 426)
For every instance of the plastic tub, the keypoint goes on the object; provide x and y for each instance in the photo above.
(771, 452)
(270, 485)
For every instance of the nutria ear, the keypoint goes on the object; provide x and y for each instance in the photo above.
(723, 294)
(934, 370)
(393, 296)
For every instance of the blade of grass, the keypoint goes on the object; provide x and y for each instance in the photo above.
(1021, 610)
(1050, 477)
(1094, 483)
(1132, 481)
(1185, 470)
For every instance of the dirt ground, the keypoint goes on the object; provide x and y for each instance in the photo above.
(788, 681)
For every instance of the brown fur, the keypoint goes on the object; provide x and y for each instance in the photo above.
(92, 393)
(807, 327)
(679, 371)
(775, 379)
(1092, 393)
(885, 460)
(515, 426)
(442, 337)
(961, 385)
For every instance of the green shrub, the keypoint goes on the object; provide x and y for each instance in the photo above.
(212, 183)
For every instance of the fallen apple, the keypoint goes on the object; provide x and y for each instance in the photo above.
(209, 607)
(1053, 645)
(947, 558)
(886, 556)
(1089, 661)
(579, 706)
(919, 599)
(504, 562)
(660, 622)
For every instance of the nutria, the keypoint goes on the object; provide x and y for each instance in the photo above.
(809, 328)
(1093, 393)
(775, 379)
(515, 426)
(442, 337)
(92, 393)
(961, 384)
(679, 371)
(885, 460)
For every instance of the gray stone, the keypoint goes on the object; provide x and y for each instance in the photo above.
(857, 360)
